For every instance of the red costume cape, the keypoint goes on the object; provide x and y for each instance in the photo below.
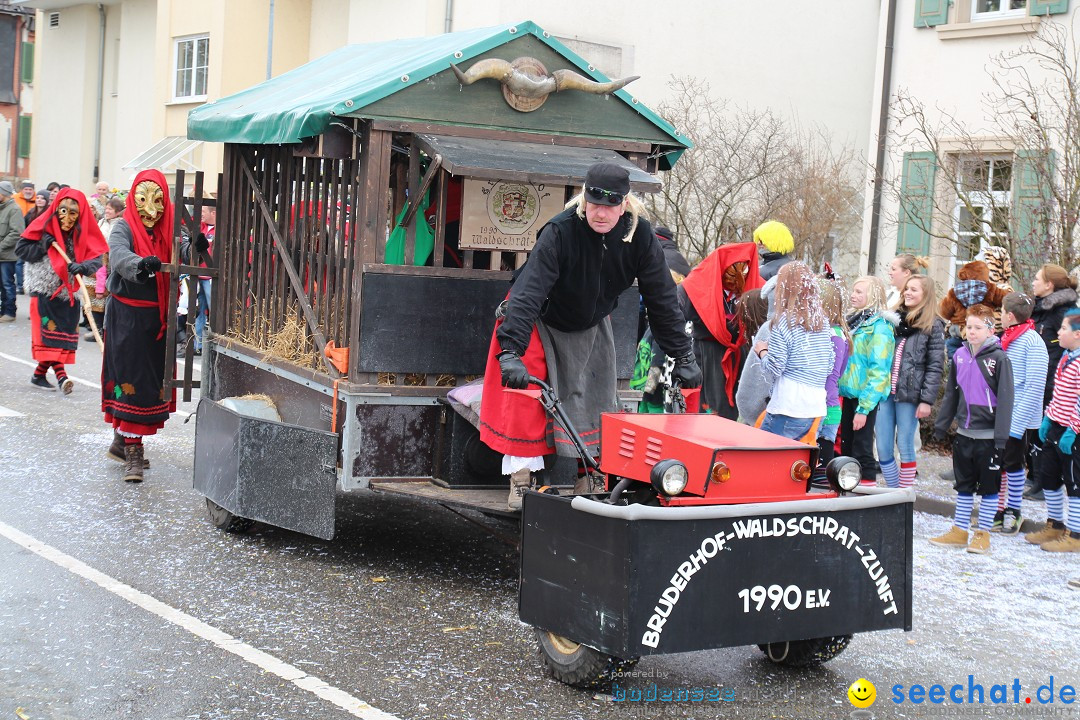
(705, 288)
(87, 238)
(156, 240)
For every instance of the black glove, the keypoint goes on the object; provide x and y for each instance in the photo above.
(77, 268)
(200, 243)
(514, 374)
(149, 264)
(687, 371)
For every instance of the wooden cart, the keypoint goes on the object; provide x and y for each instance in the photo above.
(321, 164)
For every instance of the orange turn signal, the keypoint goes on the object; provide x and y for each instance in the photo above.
(800, 471)
(720, 473)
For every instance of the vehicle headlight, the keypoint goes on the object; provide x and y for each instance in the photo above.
(843, 473)
(669, 477)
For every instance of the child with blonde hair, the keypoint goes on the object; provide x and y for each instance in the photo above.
(865, 382)
(918, 364)
(799, 355)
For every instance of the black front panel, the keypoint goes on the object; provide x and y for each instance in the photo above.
(677, 586)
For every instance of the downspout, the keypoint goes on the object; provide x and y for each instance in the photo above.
(883, 128)
(449, 16)
(270, 44)
(100, 92)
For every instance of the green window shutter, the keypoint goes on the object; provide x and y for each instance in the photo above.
(1032, 202)
(916, 203)
(1048, 7)
(929, 13)
(24, 135)
(27, 62)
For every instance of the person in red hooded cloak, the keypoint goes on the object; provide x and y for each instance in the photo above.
(51, 281)
(133, 397)
(709, 299)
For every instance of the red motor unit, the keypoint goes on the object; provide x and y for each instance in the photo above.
(726, 462)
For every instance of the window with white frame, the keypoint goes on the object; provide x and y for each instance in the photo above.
(191, 59)
(983, 200)
(997, 9)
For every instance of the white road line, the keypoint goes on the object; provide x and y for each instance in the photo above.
(182, 413)
(8, 412)
(28, 363)
(260, 659)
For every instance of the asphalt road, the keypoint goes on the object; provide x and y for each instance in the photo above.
(121, 600)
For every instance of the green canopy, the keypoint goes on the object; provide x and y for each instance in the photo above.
(302, 102)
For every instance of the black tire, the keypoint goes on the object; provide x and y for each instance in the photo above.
(578, 665)
(804, 653)
(225, 520)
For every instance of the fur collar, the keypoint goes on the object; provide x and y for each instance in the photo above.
(892, 317)
(1064, 296)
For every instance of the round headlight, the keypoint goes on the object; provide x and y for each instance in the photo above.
(669, 477)
(843, 473)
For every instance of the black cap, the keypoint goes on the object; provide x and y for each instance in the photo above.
(607, 184)
(663, 231)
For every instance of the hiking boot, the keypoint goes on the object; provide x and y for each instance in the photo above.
(116, 450)
(999, 520)
(133, 463)
(1052, 531)
(520, 481)
(42, 382)
(1068, 542)
(980, 543)
(66, 385)
(954, 538)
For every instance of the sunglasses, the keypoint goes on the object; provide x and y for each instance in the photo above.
(615, 197)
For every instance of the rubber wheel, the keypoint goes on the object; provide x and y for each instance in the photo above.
(804, 653)
(225, 520)
(576, 664)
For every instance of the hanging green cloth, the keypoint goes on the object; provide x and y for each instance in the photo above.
(425, 236)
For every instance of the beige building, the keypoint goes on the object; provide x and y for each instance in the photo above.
(116, 80)
(943, 62)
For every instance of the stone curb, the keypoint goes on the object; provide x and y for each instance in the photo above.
(946, 508)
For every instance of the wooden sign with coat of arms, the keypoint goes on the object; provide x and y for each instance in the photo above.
(506, 215)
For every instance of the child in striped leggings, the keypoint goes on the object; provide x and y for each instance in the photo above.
(1056, 465)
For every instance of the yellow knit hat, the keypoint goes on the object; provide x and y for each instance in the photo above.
(775, 236)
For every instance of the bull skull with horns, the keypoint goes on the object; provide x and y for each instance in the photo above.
(526, 83)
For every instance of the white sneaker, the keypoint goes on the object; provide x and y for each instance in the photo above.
(520, 481)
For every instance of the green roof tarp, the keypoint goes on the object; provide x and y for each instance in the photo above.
(301, 103)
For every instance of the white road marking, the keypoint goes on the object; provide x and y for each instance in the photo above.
(90, 383)
(260, 659)
(8, 412)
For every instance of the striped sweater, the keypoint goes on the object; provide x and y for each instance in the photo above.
(794, 353)
(1062, 408)
(1029, 358)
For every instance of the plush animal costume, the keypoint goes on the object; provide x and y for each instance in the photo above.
(973, 287)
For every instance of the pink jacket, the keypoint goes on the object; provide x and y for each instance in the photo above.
(99, 280)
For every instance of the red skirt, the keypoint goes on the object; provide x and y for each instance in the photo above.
(54, 329)
(512, 423)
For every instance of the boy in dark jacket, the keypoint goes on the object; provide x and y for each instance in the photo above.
(979, 396)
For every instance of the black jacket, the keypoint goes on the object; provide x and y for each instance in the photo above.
(1047, 316)
(922, 365)
(575, 275)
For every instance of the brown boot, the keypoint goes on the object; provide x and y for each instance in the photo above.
(133, 463)
(116, 450)
(1053, 530)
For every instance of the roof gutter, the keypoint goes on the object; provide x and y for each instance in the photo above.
(100, 92)
(883, 129)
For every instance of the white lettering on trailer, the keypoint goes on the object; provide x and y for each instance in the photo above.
(792, 596)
